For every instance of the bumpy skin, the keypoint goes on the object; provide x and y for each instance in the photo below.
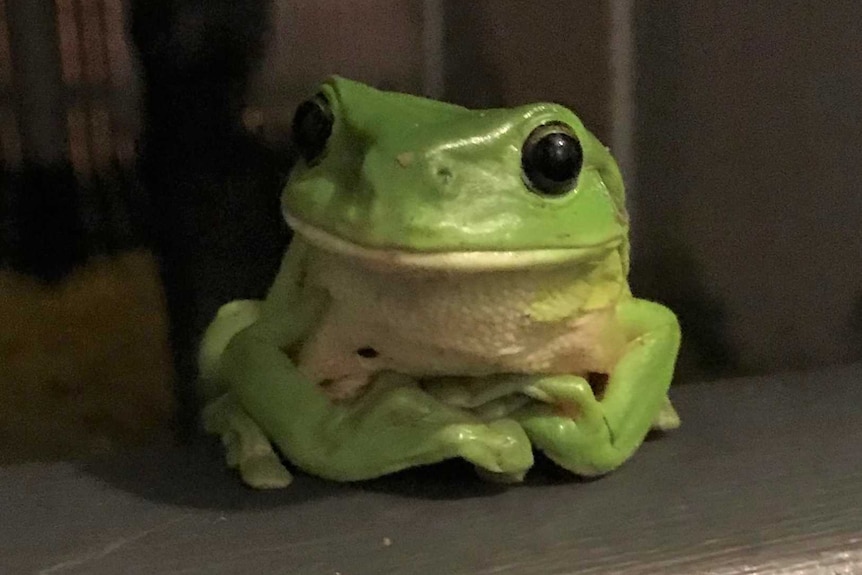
(433, 305)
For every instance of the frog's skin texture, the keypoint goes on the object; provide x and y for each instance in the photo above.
(441, 299)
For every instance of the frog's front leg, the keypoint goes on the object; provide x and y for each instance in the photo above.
(590, 436)
(392, 426)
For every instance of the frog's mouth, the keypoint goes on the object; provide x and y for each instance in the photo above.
(469, 260)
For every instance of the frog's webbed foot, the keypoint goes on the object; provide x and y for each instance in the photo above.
(568, 425)
(247, 448)
(591, 436)
(395, 425)
(392, 425)
(572, 427)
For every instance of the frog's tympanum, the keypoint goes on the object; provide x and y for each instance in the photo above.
(456, 287)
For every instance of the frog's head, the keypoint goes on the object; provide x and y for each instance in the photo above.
(406, 179)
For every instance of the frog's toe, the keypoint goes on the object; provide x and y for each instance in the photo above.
(574, 445)
(667, 419)
(246, 446)
(500, 447)
(265, 471)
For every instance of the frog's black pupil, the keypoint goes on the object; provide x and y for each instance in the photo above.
(552, 160)
(557, 156)
(312, 126)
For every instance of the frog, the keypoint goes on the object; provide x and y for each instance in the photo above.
(456, 287)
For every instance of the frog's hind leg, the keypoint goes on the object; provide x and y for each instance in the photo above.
(247, 448)
(230, 319)
(591, 436)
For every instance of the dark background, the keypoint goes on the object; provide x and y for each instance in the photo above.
(157, 130)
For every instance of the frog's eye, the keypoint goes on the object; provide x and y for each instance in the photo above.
(551, 159)
(312, 126)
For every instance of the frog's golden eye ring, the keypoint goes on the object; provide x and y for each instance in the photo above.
(311, 127)
(551, 159)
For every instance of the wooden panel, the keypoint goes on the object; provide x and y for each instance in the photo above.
(38, 80)
(764, 477)
(509, 52)
(495, 53)
(374, 41)
(749, 138)
(95, 72)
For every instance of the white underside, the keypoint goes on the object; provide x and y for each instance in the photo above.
(473, 314)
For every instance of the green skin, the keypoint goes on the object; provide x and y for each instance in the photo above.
(405, 179)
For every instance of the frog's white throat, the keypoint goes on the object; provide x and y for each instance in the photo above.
(464, 261)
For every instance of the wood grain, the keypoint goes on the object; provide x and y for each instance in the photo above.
(764, 477)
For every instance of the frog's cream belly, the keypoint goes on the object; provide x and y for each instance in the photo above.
(428, 323)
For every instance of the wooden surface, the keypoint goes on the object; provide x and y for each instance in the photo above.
(764, 477)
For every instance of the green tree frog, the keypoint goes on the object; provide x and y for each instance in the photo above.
(456, 287)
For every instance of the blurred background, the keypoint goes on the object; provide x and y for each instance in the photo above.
(144, 145)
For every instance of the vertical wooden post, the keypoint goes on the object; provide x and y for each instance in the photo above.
(433, 45)
(623, 68)
(38, 80)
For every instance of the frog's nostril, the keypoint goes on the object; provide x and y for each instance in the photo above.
(444, 174)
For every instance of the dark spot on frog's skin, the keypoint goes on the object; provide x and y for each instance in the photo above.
(444, 174)
(367, 352)
(326, 383)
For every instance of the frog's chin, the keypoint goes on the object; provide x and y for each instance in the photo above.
(464, 261)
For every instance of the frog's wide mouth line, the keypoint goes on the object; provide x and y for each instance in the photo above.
(471, 260)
